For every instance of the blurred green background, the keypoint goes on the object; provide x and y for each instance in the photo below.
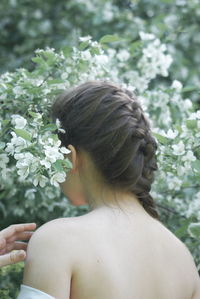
(28, 25)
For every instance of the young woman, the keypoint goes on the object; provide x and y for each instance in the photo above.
(119, 250)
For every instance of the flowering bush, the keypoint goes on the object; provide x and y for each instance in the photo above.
(33, 162)
(58, 23)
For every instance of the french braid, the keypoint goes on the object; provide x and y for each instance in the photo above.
(148, 148)
(140, 127)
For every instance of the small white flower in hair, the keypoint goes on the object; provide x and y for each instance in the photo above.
(64, 150)
(58, 125)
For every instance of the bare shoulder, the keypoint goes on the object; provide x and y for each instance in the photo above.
(51, 251)
(54, 235)
(58, 224)
(183, 256)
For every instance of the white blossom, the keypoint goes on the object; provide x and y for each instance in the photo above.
(146, 36)
(86, 55)
(101, 59)
(187, 103)
(171, 134)
(138, 81)
(18, 91)
(108, 12)
(45, 163)
(41, 180)
(58, 124)
(177, 85)
(55, 143)
(189, 156)
(180, 170)
(30, 193)
(4, 174)
(18, 121)
(123, 55)
(38, 14)
(174, 183)
(24, 162)
(52, 154)
(64, 150)
(16, 144)
(195, 115)
(58, 177)
(85, 38)
(3, 160)
(178, 149)
(187, 166)
(194, 207)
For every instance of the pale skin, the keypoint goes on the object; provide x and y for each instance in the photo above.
(116, 251)
(12, 249)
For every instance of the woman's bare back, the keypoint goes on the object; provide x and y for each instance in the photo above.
(111, 255)
(131, 257)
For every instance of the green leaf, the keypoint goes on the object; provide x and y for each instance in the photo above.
(189, 88)
(66, 51)
(162, 139)
(24, 134)
(33, 114)
(38, 60)
(94, 51)
(182, 231)
(194, 230)
(5, 122)
(2, 145)
(196, 165)
(56, 81)
(178, 128)
(49, 127)
(50, 56)
(135, 47)
(58, 166)
(167, 1)
(191, 123)
(67, 163)
(84, 45)
(109, 38)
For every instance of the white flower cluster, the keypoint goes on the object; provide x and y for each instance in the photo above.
(154, 60)
(26, 163)
(174, 183)
(194, 207)
(32, 165)
(4, 160)
(53, 151)
(135, 79)
(16, 144)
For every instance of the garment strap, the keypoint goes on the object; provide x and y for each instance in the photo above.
(27, 292)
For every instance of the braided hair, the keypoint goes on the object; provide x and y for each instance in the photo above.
(109, 123)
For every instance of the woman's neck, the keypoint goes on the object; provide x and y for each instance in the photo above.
(118, 200)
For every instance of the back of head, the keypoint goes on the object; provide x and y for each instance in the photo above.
(108, 122)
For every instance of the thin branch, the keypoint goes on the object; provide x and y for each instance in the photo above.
(170, 210)
(169, 191)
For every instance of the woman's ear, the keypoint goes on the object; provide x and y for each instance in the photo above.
(74, 158)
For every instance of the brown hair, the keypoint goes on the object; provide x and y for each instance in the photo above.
(108, 122)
